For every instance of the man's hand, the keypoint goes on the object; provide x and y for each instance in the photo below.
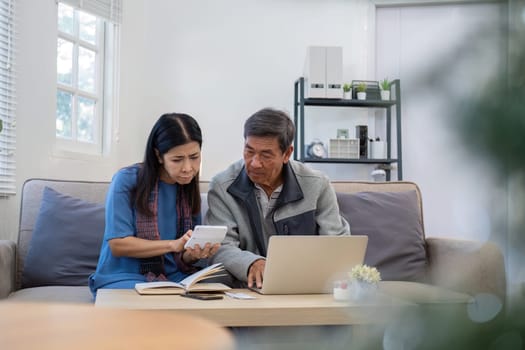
(255, 273)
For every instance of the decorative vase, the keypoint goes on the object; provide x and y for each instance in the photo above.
(347, 95)
(385, 95)
(360, 290)
(361, 95)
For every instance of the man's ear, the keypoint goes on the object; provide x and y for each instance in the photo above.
(288, 154)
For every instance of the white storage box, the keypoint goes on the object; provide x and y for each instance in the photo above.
(323, 72)
(344, 148)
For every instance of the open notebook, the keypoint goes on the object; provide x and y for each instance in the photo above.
(192, 283)
(310, 264)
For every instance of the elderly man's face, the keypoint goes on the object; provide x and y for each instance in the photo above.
(264, 161)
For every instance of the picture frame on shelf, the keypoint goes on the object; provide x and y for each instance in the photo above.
(342, 133)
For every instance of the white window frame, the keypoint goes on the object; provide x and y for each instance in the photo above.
(106, 87)
(7, 99)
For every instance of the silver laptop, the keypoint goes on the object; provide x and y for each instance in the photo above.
(310, 264)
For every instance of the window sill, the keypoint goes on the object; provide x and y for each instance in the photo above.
(75, 155)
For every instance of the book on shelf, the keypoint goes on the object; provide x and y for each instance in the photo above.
(192, 283)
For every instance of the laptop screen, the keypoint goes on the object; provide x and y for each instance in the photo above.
(310, 264)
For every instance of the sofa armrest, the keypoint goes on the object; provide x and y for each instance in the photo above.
(7, 267)
(467, 266)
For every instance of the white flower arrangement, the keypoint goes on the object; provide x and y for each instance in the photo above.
(365, 273)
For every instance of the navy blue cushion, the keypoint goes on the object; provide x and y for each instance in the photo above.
(66, 241)
(396, 244)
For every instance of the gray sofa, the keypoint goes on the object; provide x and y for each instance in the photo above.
(465, 266)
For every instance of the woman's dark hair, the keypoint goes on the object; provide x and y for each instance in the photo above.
(170, 130)
(271, 122)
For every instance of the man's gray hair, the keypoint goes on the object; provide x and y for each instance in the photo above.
(273, 123)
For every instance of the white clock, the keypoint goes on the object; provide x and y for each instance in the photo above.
(316, 149)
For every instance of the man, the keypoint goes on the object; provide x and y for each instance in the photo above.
(268, 194)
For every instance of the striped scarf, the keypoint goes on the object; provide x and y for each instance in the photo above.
(147, 228)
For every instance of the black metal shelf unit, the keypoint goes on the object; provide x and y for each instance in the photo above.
(300, 102)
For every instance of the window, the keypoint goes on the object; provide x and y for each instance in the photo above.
(7, 98)
(86, 32)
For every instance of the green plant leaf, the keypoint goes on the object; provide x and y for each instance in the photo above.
(385, 84)
(361, 87)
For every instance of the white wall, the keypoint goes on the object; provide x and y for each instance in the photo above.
(219, 61)
(442, 53)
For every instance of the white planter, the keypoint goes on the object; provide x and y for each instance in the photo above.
(360, 291)
(361, 95)
(378, 175)
(378, 149)
(385, 95)
(347, 95)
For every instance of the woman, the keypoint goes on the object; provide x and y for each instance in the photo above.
(151, 209)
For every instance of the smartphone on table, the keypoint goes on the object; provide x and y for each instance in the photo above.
(203, 296)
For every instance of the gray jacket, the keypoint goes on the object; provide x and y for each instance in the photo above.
(307, 205)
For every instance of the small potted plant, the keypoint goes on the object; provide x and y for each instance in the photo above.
(361, 91)
(385, 89)
(347, 91)
(361, 284)
(364, 280)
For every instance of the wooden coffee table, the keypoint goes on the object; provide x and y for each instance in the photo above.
(310, 321)
(265, 310)
(50, 326)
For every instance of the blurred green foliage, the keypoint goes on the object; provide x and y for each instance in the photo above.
(493, 123)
